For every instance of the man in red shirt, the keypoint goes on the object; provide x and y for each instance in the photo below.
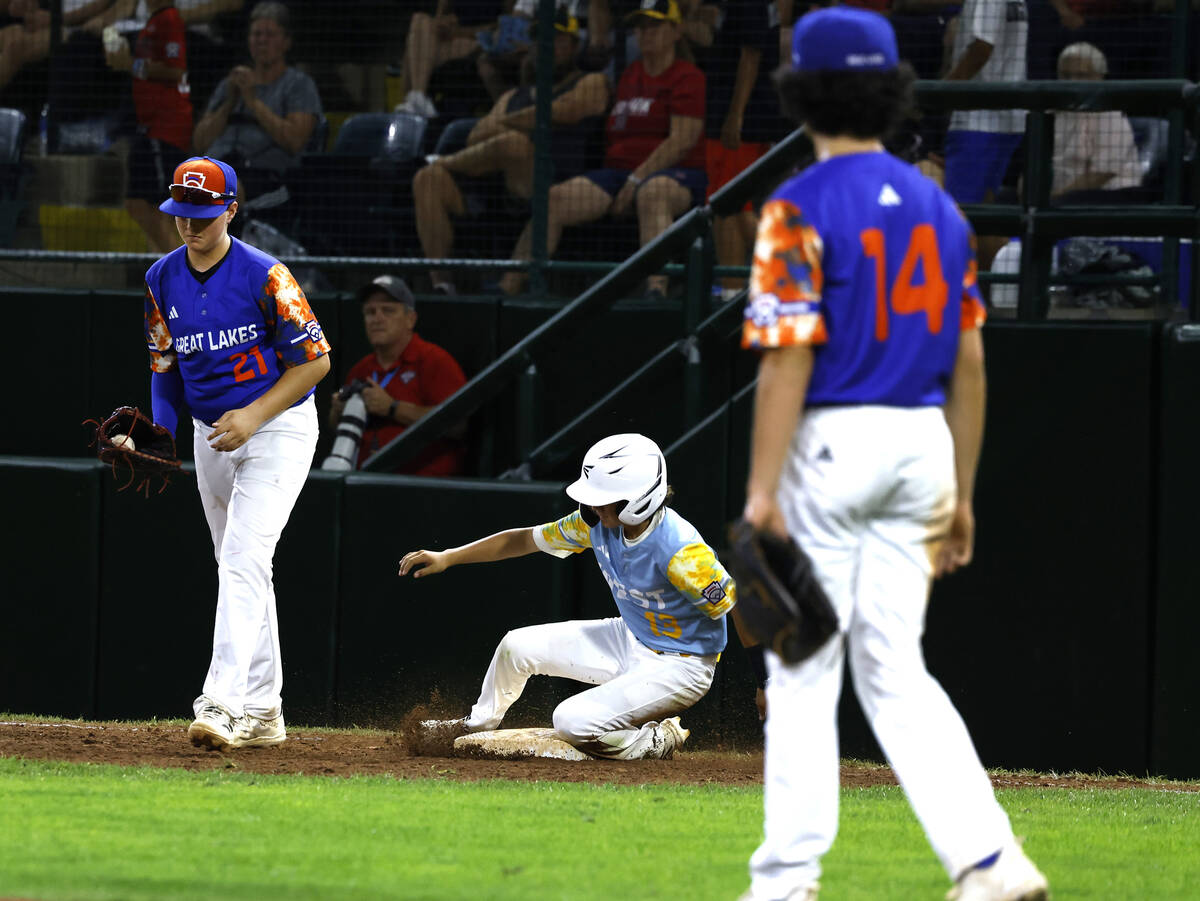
(404, 378)
(162, 98)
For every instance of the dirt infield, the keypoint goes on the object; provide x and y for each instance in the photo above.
(323, 752)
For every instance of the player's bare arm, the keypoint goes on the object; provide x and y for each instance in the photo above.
(965, 400)
(783, 375)
(498, 546)
(235, 427)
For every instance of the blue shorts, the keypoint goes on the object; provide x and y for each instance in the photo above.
(610, 181)
(976, 162)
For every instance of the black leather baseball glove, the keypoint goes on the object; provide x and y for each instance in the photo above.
(781, 601)
(129, 439)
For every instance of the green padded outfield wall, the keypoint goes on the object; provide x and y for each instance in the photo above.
(1086, 503)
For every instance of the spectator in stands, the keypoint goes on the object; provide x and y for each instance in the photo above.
(28, 40)
(654, 159)
(744, 117)
(451, 33)
(81, 85)
(501, 142)
(989, 45)
(158, 63)
(1092, 150)
(261, 116)
(405, 377)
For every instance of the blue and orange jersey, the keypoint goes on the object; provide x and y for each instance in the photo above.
(868, 260)
(669, 587)
(232, 335)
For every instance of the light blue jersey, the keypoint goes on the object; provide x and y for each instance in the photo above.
(668, 585)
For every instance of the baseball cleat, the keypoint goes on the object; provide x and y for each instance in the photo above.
(1013, 877)
(213, 728)
(673, 735)
(257, 732)
(452, 728)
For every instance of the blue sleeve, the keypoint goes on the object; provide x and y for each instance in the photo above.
(166, 398)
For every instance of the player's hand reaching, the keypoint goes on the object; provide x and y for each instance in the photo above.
(958, 548)
(423, 563)
(233, 430)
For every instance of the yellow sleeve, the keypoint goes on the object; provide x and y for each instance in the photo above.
(563, 537)
(698, 574)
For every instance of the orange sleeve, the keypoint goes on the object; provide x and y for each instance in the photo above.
(785, 305)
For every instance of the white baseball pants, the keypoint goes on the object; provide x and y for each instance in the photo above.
(635, 686)
(248, 495)
(868, 492)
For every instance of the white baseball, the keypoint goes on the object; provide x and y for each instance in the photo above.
(123, 441)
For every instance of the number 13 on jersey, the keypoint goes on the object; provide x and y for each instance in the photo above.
(905, 297)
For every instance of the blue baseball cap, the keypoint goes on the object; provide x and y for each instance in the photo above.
(202, 188)
(844, 39)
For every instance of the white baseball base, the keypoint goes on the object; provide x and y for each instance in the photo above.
(512, 744)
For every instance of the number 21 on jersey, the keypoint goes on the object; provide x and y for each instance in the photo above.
(245, 364)
(904, 297)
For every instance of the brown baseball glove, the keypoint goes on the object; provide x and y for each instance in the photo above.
(782, 603)
(129, 439)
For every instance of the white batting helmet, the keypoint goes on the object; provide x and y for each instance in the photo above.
(627, 468)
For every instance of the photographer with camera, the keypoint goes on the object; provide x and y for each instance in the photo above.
(391, 388)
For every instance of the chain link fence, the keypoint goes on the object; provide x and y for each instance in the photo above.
(405, 129)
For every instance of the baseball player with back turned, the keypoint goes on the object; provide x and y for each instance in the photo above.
(655, 659)
(868, 421)
(231, 335)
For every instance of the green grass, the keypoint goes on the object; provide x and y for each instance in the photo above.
(83, 831)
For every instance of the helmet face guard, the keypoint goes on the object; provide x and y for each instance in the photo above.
(628, 468)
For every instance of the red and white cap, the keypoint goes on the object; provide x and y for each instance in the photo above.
(203, 188)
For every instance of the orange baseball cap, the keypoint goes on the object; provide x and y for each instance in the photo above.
(202, 188)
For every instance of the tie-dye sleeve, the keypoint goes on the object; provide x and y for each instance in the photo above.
(784, 307)
(974, 313)
(298, 335)
(563, 537)
(699, 575)
(158, 336)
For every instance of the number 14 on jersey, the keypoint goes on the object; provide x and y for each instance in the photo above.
(905, 298)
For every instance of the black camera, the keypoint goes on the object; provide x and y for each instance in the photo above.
(348, 391)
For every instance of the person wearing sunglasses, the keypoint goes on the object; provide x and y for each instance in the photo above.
(231, 337)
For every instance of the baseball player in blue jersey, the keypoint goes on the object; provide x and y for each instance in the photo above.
(868, 421)
(231, 336)
(655, 659)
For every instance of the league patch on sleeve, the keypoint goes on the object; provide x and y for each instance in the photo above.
(714, 593)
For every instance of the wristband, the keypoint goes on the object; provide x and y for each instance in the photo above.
(758, 665)
(633, 178)
(392, 409)
(139, 68)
